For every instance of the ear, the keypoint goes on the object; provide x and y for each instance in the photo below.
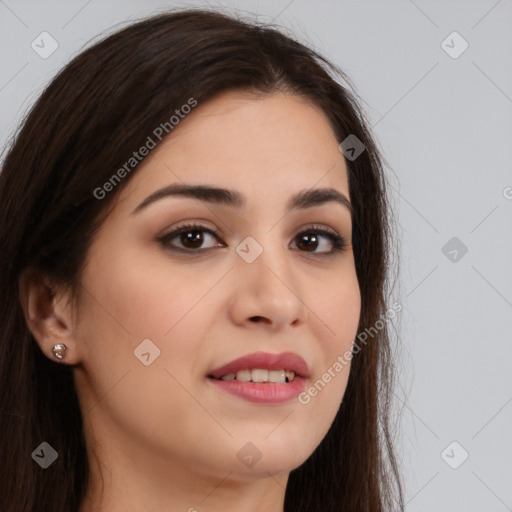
(48, 313)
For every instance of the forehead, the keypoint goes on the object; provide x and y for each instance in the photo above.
(263, 146)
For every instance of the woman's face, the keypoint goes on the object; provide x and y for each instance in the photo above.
(159, 315)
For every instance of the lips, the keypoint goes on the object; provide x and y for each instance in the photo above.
(287, 361)
(259, 390)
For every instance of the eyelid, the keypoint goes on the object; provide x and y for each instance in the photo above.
(319, 227)
(199, 226)
(190, 226)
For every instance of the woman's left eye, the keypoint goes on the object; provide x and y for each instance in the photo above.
(315, 240)
(312, 239)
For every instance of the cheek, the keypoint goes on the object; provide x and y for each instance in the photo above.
(130, 302)
(338, 307)
(341, 308)
(172, 305)
(149, 296)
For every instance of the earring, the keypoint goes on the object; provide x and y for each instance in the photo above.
(58, 350)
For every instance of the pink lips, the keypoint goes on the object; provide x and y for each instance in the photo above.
(284, 360)
(266, 392)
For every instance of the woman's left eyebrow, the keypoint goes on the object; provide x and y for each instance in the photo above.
(307, 198)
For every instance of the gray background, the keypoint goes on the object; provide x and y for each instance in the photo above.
(445, 127)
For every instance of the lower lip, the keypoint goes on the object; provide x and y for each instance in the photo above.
(262, 393)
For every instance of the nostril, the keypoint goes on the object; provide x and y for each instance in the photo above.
(258, 319)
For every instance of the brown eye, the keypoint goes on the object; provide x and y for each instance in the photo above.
(320, 241)
(190, 238)
(308, 242)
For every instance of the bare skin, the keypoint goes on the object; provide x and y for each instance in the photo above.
(161, 437)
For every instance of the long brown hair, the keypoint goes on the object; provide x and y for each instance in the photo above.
(99, 109)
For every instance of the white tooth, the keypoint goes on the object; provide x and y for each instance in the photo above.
(276, 376)
(259, 375)
(229, 376)
(243, 375)
(290, 375)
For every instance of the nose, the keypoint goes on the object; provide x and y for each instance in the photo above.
(267, 292)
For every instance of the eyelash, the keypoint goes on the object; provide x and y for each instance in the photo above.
(339, 242)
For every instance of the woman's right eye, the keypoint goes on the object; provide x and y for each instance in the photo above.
(191, 237)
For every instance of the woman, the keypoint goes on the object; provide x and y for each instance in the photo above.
(195, 235)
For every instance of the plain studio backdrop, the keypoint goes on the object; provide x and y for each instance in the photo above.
(436, 80)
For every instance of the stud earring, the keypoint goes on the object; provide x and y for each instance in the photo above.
(58, 350)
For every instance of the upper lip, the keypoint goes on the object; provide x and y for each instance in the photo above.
(264, 360)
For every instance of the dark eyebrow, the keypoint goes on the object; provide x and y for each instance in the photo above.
(304, 199)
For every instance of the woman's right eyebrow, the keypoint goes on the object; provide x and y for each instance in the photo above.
(307, 198)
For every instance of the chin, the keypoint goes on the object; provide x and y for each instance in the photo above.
(270, 458)
(267, 469)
